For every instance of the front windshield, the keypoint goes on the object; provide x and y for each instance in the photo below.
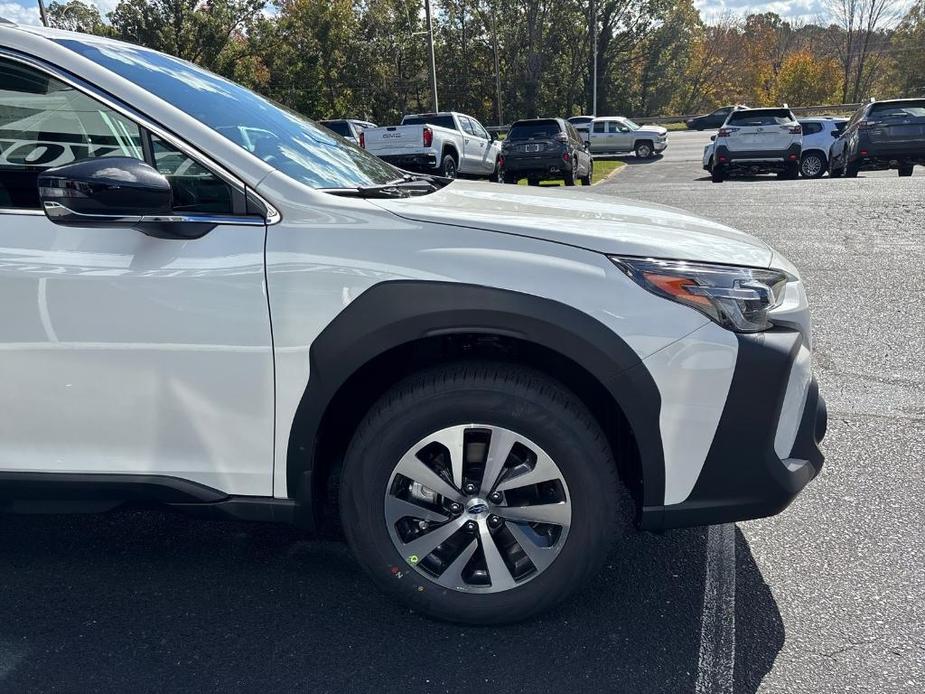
(288, 142)
(631, 125)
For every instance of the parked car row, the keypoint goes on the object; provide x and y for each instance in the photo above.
(880, 135)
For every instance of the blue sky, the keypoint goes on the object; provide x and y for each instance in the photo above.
(26, 12)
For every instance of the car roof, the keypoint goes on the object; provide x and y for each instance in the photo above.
(823, 119)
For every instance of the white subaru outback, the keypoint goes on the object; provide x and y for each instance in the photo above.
(756, 141)
(212, 303)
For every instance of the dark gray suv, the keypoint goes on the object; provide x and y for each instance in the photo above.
(881, 135)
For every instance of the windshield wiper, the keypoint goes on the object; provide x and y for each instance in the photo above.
(405, 187)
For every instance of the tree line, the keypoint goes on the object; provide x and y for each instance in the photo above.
(369, 58)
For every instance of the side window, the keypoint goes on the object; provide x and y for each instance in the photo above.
(599, 126)
(195, 188)
(616, 127)
(811, 128)
(45, 123)
(466, 125)
(479, 129)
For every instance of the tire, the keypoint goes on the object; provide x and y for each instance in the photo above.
(717, 174)
(835, 172)
(533, 181)
(569, 177)
(514, 399)
(906, 169)
(813, 165)
(586, 180)
(448, 166)
(851, 170)
(644, 150)
(508, 178)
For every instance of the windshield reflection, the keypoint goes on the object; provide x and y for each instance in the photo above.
(282, 138)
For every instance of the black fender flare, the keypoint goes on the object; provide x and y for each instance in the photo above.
(394, 313)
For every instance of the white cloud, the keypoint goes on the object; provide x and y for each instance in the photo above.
(27, 12)
(19, 13)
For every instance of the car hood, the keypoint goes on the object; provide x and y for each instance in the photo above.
(597, 222)
(652, 130)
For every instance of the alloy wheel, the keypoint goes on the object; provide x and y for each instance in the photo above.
(477, 508)
(812, 166)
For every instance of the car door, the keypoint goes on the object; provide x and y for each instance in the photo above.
(620, 136)
(489, 153)
(471, 162)
(598, 137)
(119, 352)
(581, 153)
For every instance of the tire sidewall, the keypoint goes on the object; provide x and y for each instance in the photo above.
(373, 455)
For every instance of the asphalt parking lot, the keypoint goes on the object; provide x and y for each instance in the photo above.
(827, 597)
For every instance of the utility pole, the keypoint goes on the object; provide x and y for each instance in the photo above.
(433, 62)
(494, 42)
(594, 66)
(42, 13)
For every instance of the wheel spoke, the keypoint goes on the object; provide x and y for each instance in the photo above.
(396, 508)
(413, 468)
(498, 572)
(544, 471)
(424, 545)
(557, 514)
(499, 449)
(540, 556)
(452, 575)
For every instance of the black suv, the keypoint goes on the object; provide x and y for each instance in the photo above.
(544, 149)
(712, 120)
(881, 135)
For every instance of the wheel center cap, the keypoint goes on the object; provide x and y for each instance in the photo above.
(478, 508)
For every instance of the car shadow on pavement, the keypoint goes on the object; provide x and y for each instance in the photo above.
(629, 159)
(154, 601)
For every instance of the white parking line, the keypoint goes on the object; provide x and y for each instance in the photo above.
(716, 662)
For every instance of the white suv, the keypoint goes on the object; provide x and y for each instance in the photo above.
(494, 380)
(757, 141)
(818, 136)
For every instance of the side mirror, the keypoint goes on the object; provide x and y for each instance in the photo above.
(836, 133)
(492, 136)
(108, 192)
(712, 138)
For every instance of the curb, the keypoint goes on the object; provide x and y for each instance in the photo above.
(610, 175)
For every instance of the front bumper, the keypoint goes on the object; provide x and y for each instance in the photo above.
(661, 145)
(743, 476)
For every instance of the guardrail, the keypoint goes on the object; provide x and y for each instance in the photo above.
(833, 109)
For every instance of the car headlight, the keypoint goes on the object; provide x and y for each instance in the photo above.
(738, 298)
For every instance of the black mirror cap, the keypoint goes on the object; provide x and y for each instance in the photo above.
(712, 138)
(104, 192)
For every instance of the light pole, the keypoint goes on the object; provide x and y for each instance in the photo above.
(494, 45)
(433, 62)
(594, 66)
(42, 13)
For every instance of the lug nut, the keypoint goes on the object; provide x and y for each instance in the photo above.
(423, 525)
(469, 488)
(496, 498)
(494, 521)
(456, 507)
(471, 526)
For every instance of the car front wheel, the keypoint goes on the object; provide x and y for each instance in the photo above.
(481, 493)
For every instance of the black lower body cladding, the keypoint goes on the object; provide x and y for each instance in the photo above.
(742, 477)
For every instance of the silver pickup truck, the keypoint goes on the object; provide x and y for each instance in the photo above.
(447, 144)
(615, 135)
